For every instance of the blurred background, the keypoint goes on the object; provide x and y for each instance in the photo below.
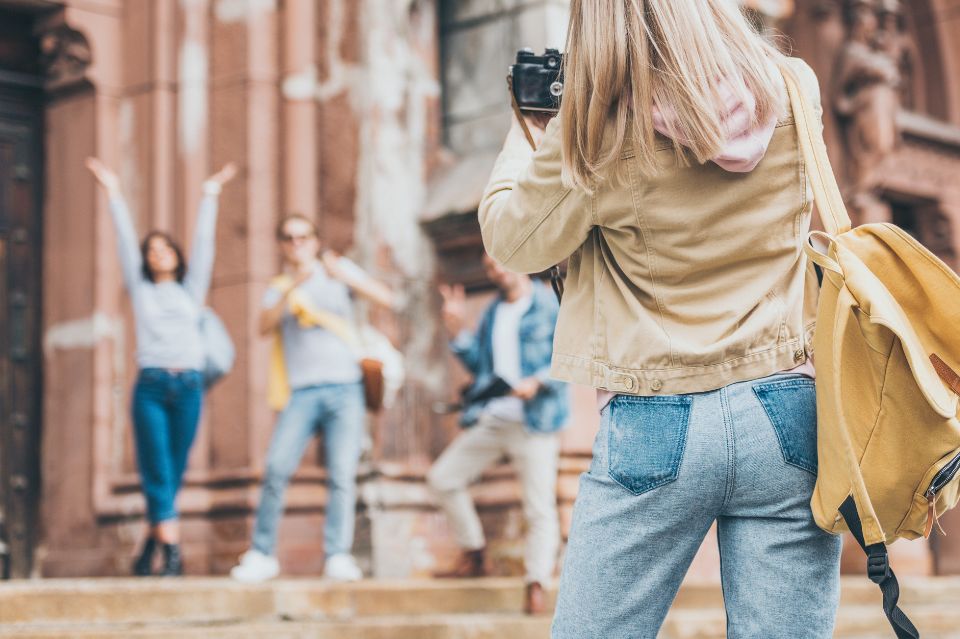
(381, 120)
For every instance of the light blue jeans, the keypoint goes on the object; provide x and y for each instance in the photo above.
(664, 469)
(336, 410)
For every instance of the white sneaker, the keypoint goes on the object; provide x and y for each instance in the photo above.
(342, 567)
(255, 567)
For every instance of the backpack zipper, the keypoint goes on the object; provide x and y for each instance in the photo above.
(945, 476)
(941, 479)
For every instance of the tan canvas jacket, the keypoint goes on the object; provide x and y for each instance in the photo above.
(679, 283)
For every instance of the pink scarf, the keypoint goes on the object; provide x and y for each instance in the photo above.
(746, 144)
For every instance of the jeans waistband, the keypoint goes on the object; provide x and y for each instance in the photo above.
(172, 372)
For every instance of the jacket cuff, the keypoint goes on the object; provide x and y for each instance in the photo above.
(543, 375)
(212, 188)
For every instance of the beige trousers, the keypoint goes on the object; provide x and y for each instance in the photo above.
(534, 457)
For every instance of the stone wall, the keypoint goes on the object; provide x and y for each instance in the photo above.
(381, 119)
(330, 108)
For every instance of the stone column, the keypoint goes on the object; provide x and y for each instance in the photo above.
(83, 334)
(300, 122)
(244, 127)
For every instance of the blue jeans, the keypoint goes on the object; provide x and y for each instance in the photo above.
(166, 411)
(337, 410)
(664, 469)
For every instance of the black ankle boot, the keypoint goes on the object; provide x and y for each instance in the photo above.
(172, 561)
(143, 566)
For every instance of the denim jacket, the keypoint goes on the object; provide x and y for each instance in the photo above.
(548, 411)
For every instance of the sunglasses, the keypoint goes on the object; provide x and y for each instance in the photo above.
(290, 239)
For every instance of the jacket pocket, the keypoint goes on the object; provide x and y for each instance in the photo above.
(646, 437)
(791, 406)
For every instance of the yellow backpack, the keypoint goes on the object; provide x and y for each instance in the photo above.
(887, 351)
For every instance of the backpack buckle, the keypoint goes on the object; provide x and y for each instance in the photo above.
(878, 567)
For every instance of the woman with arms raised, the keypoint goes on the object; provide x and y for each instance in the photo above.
(167, 299)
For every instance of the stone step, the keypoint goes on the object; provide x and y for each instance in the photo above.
(139, 607)
(853, 622)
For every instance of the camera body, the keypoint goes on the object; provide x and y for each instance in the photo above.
(537, 80)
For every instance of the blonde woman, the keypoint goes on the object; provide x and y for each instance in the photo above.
(673, 181)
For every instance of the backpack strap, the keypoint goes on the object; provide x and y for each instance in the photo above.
(878, 569)
(556, 281)
(822, 260)
(826, 192)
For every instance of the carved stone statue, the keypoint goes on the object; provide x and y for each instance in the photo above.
(65, 56)
(867, 101)
(770, 10)
(900, 46)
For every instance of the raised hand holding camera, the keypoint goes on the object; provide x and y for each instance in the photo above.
(535, 84)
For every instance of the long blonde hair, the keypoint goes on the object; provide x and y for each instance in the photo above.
(625, 56)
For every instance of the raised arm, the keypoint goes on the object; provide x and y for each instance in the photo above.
(463, 343)
(358, 280)
(529, 220)
(203, 250)
(128, 245)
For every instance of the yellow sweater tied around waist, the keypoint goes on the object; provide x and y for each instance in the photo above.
(307, 316)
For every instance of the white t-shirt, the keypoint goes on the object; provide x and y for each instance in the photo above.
(506, 356)
(313, 355)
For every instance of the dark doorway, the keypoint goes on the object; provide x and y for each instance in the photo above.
(21, 137)
(926, 221)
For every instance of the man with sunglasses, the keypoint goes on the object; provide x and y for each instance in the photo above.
(316, 382)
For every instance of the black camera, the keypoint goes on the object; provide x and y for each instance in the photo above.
(537, 80)
(472, 393)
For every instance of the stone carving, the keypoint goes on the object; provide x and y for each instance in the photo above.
(64, 55)
(867, 99)
(770, 9)
(903, 51)
(766, 14)
(823, 9)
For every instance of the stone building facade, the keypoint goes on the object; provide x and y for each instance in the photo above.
(381, 119)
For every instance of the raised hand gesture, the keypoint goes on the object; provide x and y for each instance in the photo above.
(106, 177)
(454, 307)
(527, 389)
(331, 262)
(224, 175)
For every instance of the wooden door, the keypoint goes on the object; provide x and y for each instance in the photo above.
(21, 110)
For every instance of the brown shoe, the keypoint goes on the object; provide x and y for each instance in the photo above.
(472, 563)
(535, 600)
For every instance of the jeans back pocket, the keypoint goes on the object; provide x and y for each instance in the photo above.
(791, 406)
(646, 437)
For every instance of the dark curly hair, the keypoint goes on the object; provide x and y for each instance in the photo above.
(181, 269)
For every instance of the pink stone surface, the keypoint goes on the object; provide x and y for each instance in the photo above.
(307, 154)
